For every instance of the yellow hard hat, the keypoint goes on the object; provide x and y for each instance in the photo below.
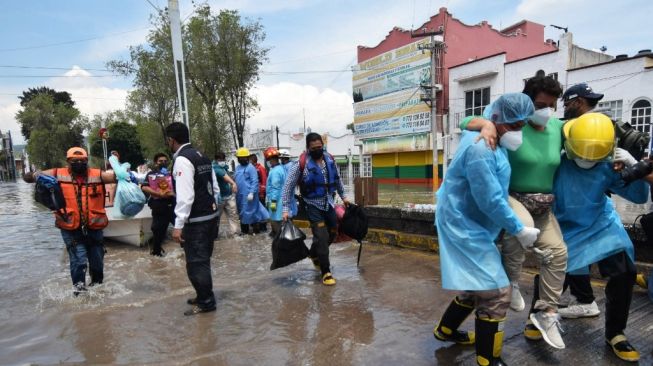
(589, 137)
(242, 152)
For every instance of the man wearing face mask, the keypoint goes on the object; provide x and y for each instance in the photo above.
(286, 163)
(317, 175)
(262, 179)
(84, 217)
(531, 183)
(161, 200)
(276, 179)
(250, 209)
(228, 189)
(591, 227)
(472, 208)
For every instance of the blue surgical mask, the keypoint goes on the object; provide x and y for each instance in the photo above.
(222, 164)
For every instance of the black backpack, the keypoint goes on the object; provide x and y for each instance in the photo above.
(354, 223)
(48, 193)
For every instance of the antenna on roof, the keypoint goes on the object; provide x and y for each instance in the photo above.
(561, 28)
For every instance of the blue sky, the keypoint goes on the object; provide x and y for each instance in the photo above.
(304, 35)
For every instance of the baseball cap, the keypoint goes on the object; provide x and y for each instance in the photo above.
(581, 90)
(76, 152)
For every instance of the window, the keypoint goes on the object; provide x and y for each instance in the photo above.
(476, 100)
(612, 107)
(640, 115)
(366, 170)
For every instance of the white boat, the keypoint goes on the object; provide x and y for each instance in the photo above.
(129, 230)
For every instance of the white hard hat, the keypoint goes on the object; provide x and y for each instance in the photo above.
(284, 153)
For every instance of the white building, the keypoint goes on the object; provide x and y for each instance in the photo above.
(627, 82)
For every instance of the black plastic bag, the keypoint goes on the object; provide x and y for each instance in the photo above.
(288, 246)
(354, 223)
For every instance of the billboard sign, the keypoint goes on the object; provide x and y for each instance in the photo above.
(402, 68)
(399, 113)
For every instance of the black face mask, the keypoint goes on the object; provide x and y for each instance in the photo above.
(79, 167)
(571, 113)
(243, 162)
(316, 154)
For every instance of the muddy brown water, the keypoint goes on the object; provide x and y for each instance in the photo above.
(381, 313)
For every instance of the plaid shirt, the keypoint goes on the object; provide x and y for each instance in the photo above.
(321, 203)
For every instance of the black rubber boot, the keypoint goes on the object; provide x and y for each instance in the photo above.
(489, 341)
(447, 328)
(244, 229)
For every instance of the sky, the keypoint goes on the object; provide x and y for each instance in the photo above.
(65, 45)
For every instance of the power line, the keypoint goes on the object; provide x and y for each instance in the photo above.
(50, 68)
(70, 42)
(59, 76)
(154, 6)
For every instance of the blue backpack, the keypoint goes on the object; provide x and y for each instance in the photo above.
(48, 193)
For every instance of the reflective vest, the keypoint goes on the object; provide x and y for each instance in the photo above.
(91, 195)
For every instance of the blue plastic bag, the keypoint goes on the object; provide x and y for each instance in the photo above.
(129, 197)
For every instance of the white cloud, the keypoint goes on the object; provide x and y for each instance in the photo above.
(284, 104)
(260, 6)
(8, 121)
(105, 49)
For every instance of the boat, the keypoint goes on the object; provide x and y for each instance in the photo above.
(134, 230)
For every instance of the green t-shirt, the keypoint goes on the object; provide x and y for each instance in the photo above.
(535, 162)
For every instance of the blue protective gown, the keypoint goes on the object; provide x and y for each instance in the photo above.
(293, 200)
(273, 189)
(253, 211)
(472, 208)
(590, 225)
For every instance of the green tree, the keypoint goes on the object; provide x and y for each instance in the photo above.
(123, 137)
(29, 94)
(54, 128)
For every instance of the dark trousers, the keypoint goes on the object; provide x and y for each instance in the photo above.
(198, 247)
(83, 249)
(160, 222)
(323, 226)
(621, 273)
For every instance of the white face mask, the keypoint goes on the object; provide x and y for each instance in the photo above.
(541, 116)
(222, 163)
(584, 164)
(511, 140)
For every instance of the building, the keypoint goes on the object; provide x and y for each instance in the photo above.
(392, 123)
(7, 159)
(625, 81)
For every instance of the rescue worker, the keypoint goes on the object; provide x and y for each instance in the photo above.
(196, 214)
(273, 188)
(317, 175)
(161, 201)
(533, 166)
(262, 179)
(472, 208)
(590, 224)
(228, 190)
(285, 156)
(84, 218)
(250, 210)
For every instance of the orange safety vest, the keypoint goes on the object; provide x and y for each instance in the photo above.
(92, 199)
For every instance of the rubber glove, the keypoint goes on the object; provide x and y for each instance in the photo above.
(623, 156)
(544, 256)
(527, 237)
(250, 197)
(273, 205)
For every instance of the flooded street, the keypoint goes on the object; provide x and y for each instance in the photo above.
(382, 313)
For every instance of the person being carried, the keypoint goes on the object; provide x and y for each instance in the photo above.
(472, 208)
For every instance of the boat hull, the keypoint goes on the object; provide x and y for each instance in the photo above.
(129, 230)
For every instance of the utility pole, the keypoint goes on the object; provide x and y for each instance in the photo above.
(304, 113)
(178, 58)
(430, 96)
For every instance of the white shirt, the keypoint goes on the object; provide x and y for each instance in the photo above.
(184, 173)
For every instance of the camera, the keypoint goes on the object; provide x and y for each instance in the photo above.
(636, 171)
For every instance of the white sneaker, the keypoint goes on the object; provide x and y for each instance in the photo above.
(549, 326)
(578, 310)
(516, 300)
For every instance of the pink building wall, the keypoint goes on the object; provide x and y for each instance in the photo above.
(468, 42)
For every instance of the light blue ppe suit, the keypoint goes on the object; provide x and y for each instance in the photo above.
(273, 188)
(253, 211)
(472, 208)
(509, 108)
(590, 225)
(293, 200)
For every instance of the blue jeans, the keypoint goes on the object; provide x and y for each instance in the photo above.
(83, 249)
(198, 247)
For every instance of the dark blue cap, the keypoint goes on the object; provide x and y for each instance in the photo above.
(581, 90)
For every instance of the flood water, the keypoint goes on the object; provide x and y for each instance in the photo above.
(381, 313)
